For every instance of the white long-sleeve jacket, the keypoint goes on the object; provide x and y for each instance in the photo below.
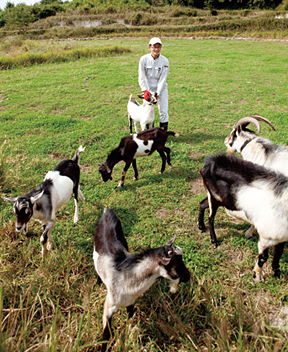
(153, 73)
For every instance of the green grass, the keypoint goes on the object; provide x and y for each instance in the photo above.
(48, 110)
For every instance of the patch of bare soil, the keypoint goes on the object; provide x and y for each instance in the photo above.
(162, 213)
(197, 186)
(196, 155)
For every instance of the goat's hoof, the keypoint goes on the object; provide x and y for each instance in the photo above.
(202, 228)
(215, 245)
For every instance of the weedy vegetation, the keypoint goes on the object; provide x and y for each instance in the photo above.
(47, 110)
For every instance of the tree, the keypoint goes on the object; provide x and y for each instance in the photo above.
(19, 18)
(9, 5)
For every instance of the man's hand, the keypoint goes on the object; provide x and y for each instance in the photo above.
(146, 94)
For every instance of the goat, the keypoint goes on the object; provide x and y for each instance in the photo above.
(43, 202)
(260, 197)
(144, 114)
(133, 146)
(127, 276)
(255, 149)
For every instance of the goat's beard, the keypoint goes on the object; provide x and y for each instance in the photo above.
(230, 151)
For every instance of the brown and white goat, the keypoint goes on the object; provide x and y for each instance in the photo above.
(43, 203)
(144, 114)
(127, 276)
(133, 146)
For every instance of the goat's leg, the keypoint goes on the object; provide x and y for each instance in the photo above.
(213, 206)
(135, 169)
(163, 156)
(143, 126)
(77, 191)
(130, 123)
(167, 151)
(81, 194)
(45, 239)
(109, 309)
(262, 259)
(121, 183)
(278, 250)
(135, 125)
(251, 231)
(25, 228)
(130, 310)
(76, 210)
(203, 204)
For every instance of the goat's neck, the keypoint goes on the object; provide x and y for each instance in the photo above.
(254, 152)
(144, 275)
(114, 159)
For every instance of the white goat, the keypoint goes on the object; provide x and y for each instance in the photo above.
(144, 114)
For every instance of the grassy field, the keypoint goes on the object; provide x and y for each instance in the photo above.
(48, 110)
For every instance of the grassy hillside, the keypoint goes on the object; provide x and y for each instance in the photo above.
(47, 110)
(173, 21)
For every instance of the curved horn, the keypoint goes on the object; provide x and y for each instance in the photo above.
(260, 118)
(253, 119)
(246, 121)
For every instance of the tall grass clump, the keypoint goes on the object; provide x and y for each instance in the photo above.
(2, 166)
(29, 59)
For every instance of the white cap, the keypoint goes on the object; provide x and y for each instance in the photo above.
(154, 41)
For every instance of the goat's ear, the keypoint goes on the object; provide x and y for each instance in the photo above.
(38, 196)
(11, 200)
(141, 96)
(239, 129)
(178, 250)
(169, 243)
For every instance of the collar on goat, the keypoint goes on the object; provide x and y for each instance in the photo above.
(244, 145)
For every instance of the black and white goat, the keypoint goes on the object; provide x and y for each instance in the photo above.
(127, 276)
(258, 195)
(130, 147)
(255, 149)
(43, 202)
(144, 114)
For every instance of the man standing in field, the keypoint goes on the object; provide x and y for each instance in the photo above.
(153, 72)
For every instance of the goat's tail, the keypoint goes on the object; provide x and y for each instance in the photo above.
(77, 154)
(171, 133)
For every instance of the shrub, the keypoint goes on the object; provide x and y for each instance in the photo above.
(136, 19)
